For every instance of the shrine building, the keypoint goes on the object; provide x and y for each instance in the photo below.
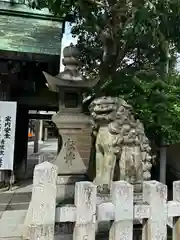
(30, 42)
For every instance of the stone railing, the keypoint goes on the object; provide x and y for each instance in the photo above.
(154, 214)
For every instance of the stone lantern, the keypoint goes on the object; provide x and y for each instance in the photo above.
(73, 125)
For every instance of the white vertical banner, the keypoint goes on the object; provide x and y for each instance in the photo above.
(7, 134)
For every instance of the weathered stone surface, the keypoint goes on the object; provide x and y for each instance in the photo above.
(69, 179)
(73, 125)
(75, 130)
(176, 221)
(66, 187)
(71, 77)
(64, 231)
(47, 157)
(122, 199)
(119, 136)
(85, 202)
(155, 194)
(42, 232)
(40, 219)
(65, 192)
(74, 155)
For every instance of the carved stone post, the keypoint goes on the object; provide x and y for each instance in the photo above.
(73, 125)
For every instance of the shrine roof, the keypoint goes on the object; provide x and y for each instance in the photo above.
(19, 9)
(27, 30)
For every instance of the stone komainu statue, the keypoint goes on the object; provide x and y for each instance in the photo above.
(120, 142)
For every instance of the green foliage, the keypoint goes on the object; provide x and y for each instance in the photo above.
(126, 45)
(157, 104)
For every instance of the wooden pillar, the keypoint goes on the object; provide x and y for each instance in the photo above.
(36, 137)
(21, 141)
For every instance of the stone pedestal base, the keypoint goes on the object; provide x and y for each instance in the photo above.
(66, 188)
(75, 131)
(106, 198)
(138, 198)
(65, 232)
(101, 198)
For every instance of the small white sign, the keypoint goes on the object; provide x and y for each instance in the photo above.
(7, 134)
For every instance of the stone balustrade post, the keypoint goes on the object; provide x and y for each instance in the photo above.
(40, 219)
(155, 194)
